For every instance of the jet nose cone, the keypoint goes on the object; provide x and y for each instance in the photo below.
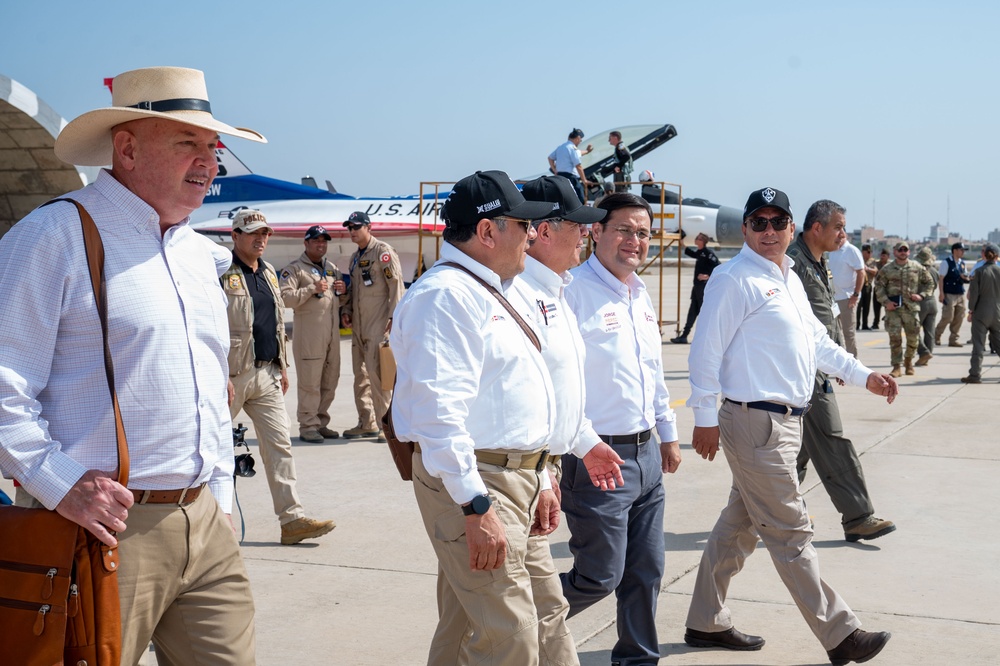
(728, 226)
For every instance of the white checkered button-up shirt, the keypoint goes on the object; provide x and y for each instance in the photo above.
(169, 339)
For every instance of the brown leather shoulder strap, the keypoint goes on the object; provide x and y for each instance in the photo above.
(95, 262)
(503, 301)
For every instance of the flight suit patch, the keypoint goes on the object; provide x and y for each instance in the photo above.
(235, 282)
(387, 272)
(385, 258)
(364, 263)
(285, 274)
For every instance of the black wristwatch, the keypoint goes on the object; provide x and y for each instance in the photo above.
(479, 505)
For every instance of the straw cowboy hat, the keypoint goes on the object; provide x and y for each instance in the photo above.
(173, 93)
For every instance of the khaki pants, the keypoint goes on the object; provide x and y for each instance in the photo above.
(372, 402)
(486, 618)
(258, 393)
(761, 448)
(316, 351)
(182, 584)
(952, 314)
(848, 316)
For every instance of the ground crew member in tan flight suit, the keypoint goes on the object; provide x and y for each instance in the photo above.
(376, 288)
(313, 288)
(257, 362)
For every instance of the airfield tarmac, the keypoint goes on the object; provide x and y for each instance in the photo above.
(365, 594)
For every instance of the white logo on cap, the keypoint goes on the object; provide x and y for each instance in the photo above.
(768, 195)
(555, 206)
(487, 207)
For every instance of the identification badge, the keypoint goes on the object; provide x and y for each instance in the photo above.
(366, 277)
(836, 309)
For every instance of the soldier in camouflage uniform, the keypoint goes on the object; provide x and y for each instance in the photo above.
(928, 310)
(899, 287)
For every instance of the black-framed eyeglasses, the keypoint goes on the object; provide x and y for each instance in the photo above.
(759, 224)
(903, 249)
(354, 227)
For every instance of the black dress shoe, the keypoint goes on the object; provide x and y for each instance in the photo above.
(680, 340)
(730, 639)
(860, 646)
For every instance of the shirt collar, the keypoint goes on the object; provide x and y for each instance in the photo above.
(140, 213)
(550, 280)
(239, 262)
(632, 287)
(451, 253)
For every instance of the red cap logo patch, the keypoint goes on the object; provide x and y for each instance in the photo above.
(385, 257)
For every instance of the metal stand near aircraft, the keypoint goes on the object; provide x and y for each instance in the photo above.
(291, 208)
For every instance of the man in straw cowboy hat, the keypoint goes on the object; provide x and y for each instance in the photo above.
(182, 581)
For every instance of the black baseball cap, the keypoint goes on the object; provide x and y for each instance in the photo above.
(358, 217)
(577, 132)
(565, 203)
(489, 194)
(316, 231)
(765, 197)
(959, 246)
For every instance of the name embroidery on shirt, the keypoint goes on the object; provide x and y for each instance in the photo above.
(650, 318)
(498, 318)
(772, 292)
(611, 322)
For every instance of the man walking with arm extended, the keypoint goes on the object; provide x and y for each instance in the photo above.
(554, 250)
(617, 538)
(705, 262)
(565, 161)
(759, 346)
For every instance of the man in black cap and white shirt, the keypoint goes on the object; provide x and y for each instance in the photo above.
(617, 537)
(758, 346)
(313, 287)
(474, 394)
(559, 238)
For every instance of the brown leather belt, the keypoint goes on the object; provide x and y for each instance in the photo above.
(535, 461)
(181, 497)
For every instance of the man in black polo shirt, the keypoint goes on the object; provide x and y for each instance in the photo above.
(258, 378)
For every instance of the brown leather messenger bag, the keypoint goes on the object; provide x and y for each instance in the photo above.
(58, 582)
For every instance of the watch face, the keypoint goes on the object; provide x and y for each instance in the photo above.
(481, 504)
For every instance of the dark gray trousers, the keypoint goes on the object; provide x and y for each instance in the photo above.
(834, 458)
(617, 545)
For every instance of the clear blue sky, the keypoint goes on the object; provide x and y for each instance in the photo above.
(854, 101)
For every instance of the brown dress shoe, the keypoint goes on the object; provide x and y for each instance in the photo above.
(860, 646)
(730, 639)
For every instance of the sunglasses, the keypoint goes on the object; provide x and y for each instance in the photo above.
(354, 227)
(759, 224)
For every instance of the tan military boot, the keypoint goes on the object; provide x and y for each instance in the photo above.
(304, 528)
(895, 372)
(924, 359)
(909, 367)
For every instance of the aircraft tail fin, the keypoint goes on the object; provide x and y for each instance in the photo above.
(229, 164)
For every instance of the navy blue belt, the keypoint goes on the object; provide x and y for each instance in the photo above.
(775, 407)
(637, 438)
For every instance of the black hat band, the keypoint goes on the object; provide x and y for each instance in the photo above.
(180, 104)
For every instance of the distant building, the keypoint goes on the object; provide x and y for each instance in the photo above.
(939, 233)
(867, 235)
(994, 236)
